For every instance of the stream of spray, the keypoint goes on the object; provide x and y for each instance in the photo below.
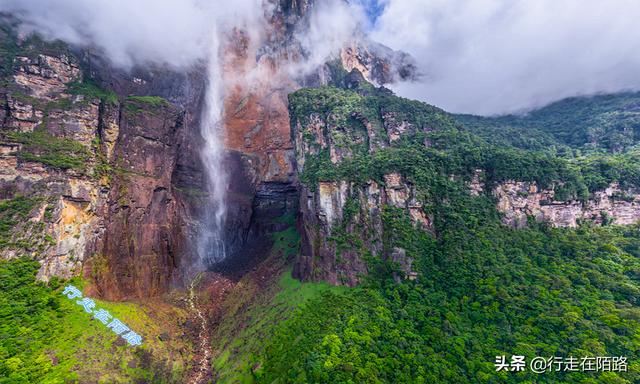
(211, 244)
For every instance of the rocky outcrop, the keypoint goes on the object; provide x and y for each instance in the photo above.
(405, 263)
(102, 174)
(41, 126)
(520, 200)
(341, 221)
(46, 76)
(378, 64)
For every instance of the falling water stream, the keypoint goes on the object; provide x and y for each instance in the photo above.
(211, 247)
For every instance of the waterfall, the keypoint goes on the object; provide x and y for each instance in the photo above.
(211, 244)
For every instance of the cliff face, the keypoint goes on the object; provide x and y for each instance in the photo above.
(142, 230)
(519, 200)
(341, 221)
(41, 126)
(259, 74)
(366, 155)
(91, 173)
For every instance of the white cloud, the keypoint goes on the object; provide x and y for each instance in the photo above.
(480, 56)
(332, 23)
(173, 32)
(497, 56)
(179, 32)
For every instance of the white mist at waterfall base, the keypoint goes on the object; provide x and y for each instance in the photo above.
(211, 245)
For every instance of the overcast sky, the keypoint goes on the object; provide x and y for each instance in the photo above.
(496, 56)
(476, 56)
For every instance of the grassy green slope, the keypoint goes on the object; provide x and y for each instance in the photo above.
(240, 351)
(258, 304)
(47, 338)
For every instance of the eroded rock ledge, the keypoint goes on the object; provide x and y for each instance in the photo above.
(519, 200)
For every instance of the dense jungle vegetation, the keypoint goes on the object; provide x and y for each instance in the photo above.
(484, 290)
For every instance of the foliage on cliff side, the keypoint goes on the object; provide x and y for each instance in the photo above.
(91, 90)
(483, 289)
(12, 213)
(454, 149)
(42, 147)
(138, 104)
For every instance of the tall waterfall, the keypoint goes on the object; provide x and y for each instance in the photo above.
(211, 245)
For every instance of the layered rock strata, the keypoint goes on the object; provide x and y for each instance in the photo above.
(520, 200)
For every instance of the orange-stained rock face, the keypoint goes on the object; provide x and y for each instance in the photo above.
(257, 84)
(256, 110)
(257, 123)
